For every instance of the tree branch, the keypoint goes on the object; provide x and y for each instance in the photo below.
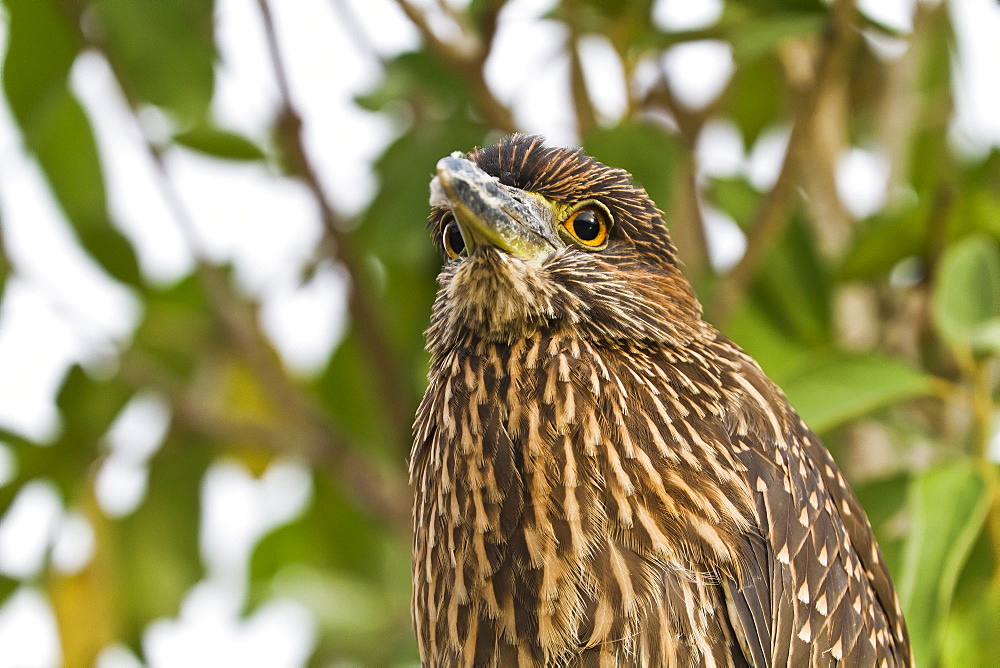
(688, 230)
(382, 494)
(387, 369)
(586, 117)
(466, 63)
(772, 215)
(305, 433)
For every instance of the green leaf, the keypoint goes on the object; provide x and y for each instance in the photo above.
(66, 150)
(970, 631)
(970, 636)
(966, 297)
(220, 143)
(794, 289)
(177, 328)
(355, 579)
(164, 51)
(736, 197)
(755, 99)
(33, 75)
(5, 267)
(778, 355)
(985, 337)
(783, 6)
(88, 405)
(885, 240)
(350, 538)
(754, 39)
(7, 587)
(156, 553)
(834, 387)
(884, 501)
(420, 78)
(948, 505)
(645, 151)
(31, 461)
(56, 130)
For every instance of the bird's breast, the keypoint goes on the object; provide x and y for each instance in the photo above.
(557, 510)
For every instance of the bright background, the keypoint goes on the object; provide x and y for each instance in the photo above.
(60, 308)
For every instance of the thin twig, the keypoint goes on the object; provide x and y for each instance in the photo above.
(772, 215)
(355, 32)
(586, 117)
(689, 230)
(386, 367)
(382, 494)
(468, 65)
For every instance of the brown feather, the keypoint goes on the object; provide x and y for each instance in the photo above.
(603, 479)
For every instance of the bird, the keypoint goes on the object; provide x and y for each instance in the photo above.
(600, 477)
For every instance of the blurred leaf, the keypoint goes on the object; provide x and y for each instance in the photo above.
(56, 130)
(967, 290)
(884, 499)
(645, 151)
(156, 547)
(755, 98)
(349, 545)
(736, 197)
(220, 143)
(778, 355)
(30, 462)
(353, 410)
(356, 579)
(164, 51)
(357, 618)
(420, 79)
(756, 38)
(971, 635)
(88, 405)
(970, 632)
(948, 505)
(885, 240)
(985, 337)
(7, 587)
(32, 75)
(177, 327)
(83, 601)
(834, 388)
(976, 210)
(794, 289)
(5, 267)
(782, 6)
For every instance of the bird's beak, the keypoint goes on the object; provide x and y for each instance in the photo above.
(492, 214)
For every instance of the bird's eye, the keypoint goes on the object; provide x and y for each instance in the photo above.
(588, 226)
(454, 243)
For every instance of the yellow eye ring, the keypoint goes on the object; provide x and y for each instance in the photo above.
(451, 238)
(588, 227)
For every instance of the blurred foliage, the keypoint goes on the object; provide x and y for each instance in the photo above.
(884, 331)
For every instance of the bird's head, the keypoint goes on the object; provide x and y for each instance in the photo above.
(541, 239)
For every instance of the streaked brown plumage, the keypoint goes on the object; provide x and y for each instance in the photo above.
(601, 477)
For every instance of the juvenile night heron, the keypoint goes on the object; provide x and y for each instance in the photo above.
(602, 479)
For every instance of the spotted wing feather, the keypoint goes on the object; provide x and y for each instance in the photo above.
(831, 597)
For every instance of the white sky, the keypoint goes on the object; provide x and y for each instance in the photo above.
(64, 310)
